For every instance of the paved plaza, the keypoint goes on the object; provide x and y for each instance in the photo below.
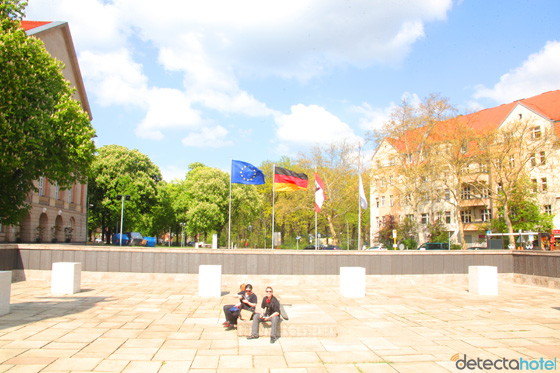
(158, 327)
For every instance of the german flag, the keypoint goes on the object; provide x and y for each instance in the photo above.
(288, 181)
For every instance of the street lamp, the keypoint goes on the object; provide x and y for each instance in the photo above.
(122, 197)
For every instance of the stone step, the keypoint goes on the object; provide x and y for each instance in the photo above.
(305, 321)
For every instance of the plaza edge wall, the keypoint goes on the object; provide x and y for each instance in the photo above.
(130, 264)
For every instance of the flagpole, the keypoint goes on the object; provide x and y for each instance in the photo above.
(316, 235)
(359, 206)
(229, 228)
(273, 173)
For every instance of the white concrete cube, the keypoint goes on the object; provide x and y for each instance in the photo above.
(66, 278)
(353, 282)
(5, 290)
(210, 280)
(483, 280)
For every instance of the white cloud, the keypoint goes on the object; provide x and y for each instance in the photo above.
(170, 173)
(311, 125)
(374, 118)
(216, 137)
(114, 78)
(215, 43)
(168, 109)
(95, 25)
(539, 73)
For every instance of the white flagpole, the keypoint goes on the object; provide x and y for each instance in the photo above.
(229, 229)
(316, 235)
(273, 173)
(359, 200)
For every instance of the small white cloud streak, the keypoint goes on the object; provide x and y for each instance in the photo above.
(207, 137)
(539, 73)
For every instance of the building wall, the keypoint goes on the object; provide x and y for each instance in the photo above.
(473, 236)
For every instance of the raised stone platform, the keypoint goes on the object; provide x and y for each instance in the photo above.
(305, 321)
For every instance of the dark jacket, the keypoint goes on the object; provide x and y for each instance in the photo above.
(270, 308)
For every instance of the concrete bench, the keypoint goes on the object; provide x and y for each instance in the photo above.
(5, 291)
(66, 277)
(304, 321)
(210, 280)
(353, 282)
(483, 280)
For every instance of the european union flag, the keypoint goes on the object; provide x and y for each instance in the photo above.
(245, 173)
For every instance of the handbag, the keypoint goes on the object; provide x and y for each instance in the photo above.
(245, 314)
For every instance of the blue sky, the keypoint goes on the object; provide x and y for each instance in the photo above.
(189, 81)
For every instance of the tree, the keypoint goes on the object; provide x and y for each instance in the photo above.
(43, 130)
(204, 200)
(118, 170)
(509, 155)
(407, 163)
(524, 212)
(336, 165)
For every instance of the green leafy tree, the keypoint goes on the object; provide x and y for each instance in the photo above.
(43, 130)
(118, 170)
(203, 200)
(524, 212)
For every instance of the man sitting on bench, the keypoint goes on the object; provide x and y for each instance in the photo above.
(271, 307)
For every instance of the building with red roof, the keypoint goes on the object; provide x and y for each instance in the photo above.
(536, 120)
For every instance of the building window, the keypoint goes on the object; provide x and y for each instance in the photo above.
(447, 194)
(544, 185)
(485, 215)
(382, 201)
(536, 132)
(466, 193)
(548, 209)
(56, 191)
(533, 160)
(448, 217)
(512, 161)
(543, 157)
(485, 192)
(466, 216)
(534, 183)
(391, 200)
(483, 167)
(71, 194)
(390, 180)
(382, 182)
(377, 221)
(42, 186)
(425, 218)
(377, 202)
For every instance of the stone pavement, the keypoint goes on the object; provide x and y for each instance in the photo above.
(160, 327)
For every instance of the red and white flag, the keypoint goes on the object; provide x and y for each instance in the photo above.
(320, 195)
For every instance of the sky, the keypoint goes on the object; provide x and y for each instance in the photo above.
(209, 81)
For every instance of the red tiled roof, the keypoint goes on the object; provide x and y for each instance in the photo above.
(28, 25)
(546, 104)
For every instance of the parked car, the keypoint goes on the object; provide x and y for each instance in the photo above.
(330, 247)
(478, 248)
(434, 246)
(379, 246)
